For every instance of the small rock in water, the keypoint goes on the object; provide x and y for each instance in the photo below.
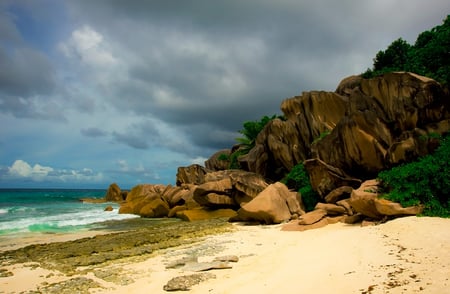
(184, 283)
(109, 208)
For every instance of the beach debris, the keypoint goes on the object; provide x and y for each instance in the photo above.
(5, 273)
(206, 266)
(182, 262)
(76, 285)
(227, 258)
(184, 283)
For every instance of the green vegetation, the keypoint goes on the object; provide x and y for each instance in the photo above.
(234, 163)
(425, 181)
(250, 131)
(429, 56)
(224, 157)
(298, 179)
(321, 136)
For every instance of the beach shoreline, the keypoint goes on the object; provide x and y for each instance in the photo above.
(405, 255)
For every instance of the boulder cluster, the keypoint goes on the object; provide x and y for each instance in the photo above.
(344, 139)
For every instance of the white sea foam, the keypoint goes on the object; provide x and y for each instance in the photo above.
(61, 222)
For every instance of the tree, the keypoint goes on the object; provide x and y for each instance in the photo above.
(395, 57)
(251, 130)
(429, 56)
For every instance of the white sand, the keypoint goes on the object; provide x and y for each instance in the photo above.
(406, 255)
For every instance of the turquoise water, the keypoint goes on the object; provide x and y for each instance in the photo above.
(53, 211)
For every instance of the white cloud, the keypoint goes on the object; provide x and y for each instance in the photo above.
(198, 160)
(21, 169)
(89, 46)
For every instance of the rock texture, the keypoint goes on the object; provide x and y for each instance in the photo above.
(343, 138)
(272, 206)
(115, 194)
(371, 124)
(219, 160)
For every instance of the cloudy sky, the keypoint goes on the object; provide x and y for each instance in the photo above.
(95, 92)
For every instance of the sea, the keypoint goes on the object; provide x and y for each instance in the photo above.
(47, 211)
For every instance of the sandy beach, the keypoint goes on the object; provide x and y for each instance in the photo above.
(405, 255)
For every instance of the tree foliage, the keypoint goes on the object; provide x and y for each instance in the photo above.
(429, 56)
(424, 182)
(251, 130)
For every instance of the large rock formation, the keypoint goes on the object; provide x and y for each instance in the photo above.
(115, 194)
(372, 125)
(342, 137)
(388, 123)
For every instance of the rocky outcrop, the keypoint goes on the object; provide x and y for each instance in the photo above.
(362, 205)
(389, 120)
(366, 126)
(366, 201)
(229, 189)
(325, 178)
(193, 174)
(149, 200)
(343, 138)
(115, 194)
(234, 194)
(210, 199)
(283, 144)
(205, 213)
(219, 160)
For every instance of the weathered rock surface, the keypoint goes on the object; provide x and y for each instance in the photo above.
(184, 283)
(228, 189)
(386, 116)
(312, 217)
(389, 208)
(219, 160)
(114, 193)
(325, 178)
(337, 194)
(372, 125)
(331, 209)
(203, 214)
(269, 207)
(215, 193)
(365, 200)
(193, 174)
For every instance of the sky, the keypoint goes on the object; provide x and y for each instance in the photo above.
(96, 92)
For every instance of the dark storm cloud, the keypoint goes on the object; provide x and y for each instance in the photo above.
(93, 132)
(25, 73)
(139, 135)
(208, 66)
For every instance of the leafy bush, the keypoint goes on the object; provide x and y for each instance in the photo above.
(234, 163)
(298, 179)
(224, 157)
(425, 182)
